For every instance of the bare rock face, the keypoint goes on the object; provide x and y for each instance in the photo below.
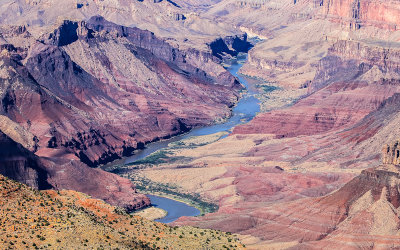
(176, 20)
(356, 14)
(75, 175)
(262, 195)
(18, 163)
(349, 60)
(364, 75)
(369, 215)
(391, 154)
(92, 92)
(230, 46)
(361, 214)
(121, 87)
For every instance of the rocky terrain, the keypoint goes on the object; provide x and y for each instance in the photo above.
(49, 219)
(92, 91)
(146, 91)
(275, 205)
(362, 214)
(302, 174)
(361, 74)
(24, 166)
(178, 21)
(357, 14)
(274, 179)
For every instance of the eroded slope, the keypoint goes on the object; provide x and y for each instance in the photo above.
(50, 219)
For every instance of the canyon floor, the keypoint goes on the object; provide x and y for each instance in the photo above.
(334, 109)
(85, 83)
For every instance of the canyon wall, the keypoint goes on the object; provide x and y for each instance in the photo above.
(359, 13)
(364, 75)
(91, 92)
(91, 78)
(391, 154)
(357, 61)
(177, 21)
(18, 163)
(363, 213)
(230, 46)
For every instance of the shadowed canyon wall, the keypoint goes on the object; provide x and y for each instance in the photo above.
(91, 92)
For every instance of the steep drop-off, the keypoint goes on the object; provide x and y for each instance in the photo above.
(361, 214)
(127, 86)
(20, 164)
(113, 91)
(360, 13)
(91, 92)
(260, 174)
(353, 80)
(49, 219)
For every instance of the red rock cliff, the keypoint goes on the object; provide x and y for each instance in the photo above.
(91, 92)
(359, 13)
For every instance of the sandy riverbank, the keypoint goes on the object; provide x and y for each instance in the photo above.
(152, 213)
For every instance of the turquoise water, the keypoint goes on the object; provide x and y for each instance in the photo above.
(174, 208)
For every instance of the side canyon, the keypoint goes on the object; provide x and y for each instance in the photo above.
(318, 167)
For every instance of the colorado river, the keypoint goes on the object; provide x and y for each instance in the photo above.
(245, 110)
(175, 209)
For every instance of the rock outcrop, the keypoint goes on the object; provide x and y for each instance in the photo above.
(369, 211)
(357, 61)
(364, 75)
(361, 214)
(177, 21)
(91, 92)
(80, 66)
(20, 164)
(230, 46)
(68, 219)
(356, 14)
(94, 91)
(391, 154)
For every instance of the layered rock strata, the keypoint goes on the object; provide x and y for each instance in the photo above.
(116, 109)
(356, 14)
(22, 165)
(91, 92)
(364, 75)
(361, 214)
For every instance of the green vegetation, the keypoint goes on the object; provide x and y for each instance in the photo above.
(85, 223)
(159, 157)
(267, 88)
(190, 145)
(167, 156)
(145, 185)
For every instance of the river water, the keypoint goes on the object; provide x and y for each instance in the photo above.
(174, 208)
(245, 110)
